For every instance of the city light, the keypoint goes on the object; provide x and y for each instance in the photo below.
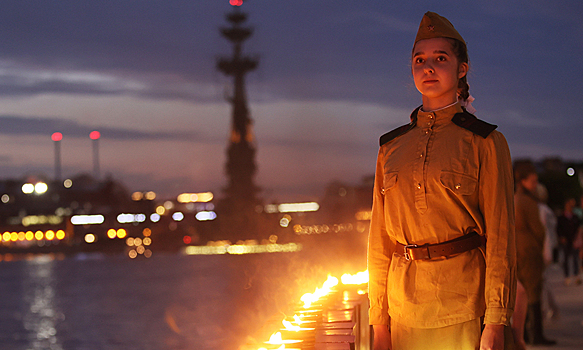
(27, 188)
(94, 135)
(111, 233)
(68, 183)
(41, 220)
(363, 215)
(130, 218)
(5, 198)
(38, 188)
(155, 217)
(319, 229)
(178, 216)
(90, 238)
(195, 197)
(41, 188)
(285, 220)
(205, 215)
(57, 136)
(87, 219)
(239, 249)
(298, 207)
(60, 234)
(571, 172)
(121, 233)
(50, 235)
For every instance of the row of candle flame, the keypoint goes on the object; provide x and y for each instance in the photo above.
(308, 299)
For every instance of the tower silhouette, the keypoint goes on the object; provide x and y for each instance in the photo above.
(238, 205)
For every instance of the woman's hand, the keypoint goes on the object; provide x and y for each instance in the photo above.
(382, 337)
(492, 337)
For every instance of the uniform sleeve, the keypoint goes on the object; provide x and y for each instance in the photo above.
(497, 205)
(378, 255)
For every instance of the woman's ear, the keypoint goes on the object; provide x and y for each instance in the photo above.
(462, 70)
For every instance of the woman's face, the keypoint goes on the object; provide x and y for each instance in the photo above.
(436, 72)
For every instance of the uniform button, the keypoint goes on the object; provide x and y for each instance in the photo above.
(426, 132)
(457, 186)
(428, 123)
(421, 155)
(430, 117)
(418, 186)
(382, 191)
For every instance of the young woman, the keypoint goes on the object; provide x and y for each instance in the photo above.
(443, 187)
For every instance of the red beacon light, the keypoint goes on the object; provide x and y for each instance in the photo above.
(57, 136)
(236, 2)
(94, 135)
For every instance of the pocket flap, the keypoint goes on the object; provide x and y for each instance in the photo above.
(389, 181)
(458, 183)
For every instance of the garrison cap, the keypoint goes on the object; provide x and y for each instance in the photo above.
(435, 26)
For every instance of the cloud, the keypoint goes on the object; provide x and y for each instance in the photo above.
(22, 80)
(22, 125)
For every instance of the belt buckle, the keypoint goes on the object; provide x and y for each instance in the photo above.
(406, 254)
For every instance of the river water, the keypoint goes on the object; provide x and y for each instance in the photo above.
(170, 301)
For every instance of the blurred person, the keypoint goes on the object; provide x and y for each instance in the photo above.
(530, 237)
(568, 230)
(551, 243)
(443, 183)
(578, 210)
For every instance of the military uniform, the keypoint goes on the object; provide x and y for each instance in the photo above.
(530, 237)
(442, 176)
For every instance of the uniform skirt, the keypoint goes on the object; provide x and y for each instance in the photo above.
(462, 336)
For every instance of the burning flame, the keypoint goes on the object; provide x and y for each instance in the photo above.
(275, 339)
(310, 298)
(290, 327)
(359, 278)
(298, 320)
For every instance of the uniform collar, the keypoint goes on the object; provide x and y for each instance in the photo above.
(440, 116)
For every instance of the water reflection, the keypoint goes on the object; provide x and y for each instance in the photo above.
(41, 315)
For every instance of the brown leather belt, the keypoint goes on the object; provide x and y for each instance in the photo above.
(445, 249)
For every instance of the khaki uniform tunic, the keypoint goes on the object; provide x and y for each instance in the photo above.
(435, 183)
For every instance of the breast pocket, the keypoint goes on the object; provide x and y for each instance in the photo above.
(459, 184)
(389, 181)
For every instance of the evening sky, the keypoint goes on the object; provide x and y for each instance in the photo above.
(333, 76)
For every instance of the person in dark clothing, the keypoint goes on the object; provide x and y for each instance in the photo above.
(568, 229)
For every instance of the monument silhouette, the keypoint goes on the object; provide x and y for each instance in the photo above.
(237, 209)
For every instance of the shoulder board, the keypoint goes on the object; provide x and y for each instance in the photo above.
(469, 122)
(393, 134)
